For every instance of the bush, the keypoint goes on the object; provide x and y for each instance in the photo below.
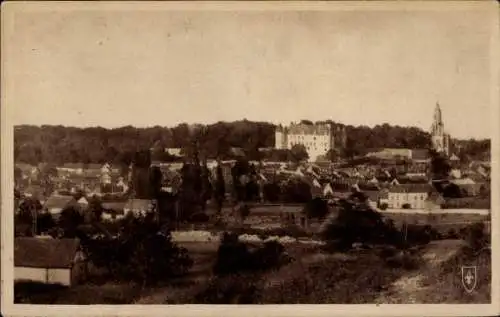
(229, 289)
(359, 223)
(476, 237)
(406, 206)
(383, 206)
(316, 208)
(403, 260)
(416, 234)
(140, 253)
(452, 234)
(233, 256)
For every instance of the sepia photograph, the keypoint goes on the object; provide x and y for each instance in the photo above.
(249, 153)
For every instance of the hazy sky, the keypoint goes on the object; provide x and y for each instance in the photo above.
(113, 68)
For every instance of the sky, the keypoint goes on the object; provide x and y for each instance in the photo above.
(112, 68)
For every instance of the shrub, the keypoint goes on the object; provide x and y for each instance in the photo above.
(452, 234)
(316, 208)
(406, 206)
(140, 253)
(358, 223)
(229, 289)
(383, 206)
(416, 234)
(233, 256)
(476, 237)
(387, 252)
(403, 260)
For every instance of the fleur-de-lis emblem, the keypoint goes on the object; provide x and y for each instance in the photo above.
(469, 278)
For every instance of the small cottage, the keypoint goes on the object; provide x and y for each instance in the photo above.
(50, 261)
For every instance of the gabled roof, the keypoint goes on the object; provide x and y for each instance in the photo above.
(44, 253)
(412, 180)
(463, 181)
(412, 188)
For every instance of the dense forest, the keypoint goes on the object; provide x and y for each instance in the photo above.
(60, 144)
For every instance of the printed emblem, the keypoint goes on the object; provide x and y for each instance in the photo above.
(469, 278)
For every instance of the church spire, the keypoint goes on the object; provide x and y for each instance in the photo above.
(438, 119)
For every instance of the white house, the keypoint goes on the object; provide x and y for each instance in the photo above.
(50, 261)
(412, 196)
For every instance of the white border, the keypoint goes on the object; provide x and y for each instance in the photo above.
(9, 309)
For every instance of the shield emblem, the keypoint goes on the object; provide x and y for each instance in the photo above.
(469, 278)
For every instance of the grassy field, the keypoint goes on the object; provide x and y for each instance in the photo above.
(314, 277)
(441, 222)
(446, 283)
(85, 294)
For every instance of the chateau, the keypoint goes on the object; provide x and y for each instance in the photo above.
(440, 139)
(317, 138)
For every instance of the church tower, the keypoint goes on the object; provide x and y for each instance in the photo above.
(440, 140)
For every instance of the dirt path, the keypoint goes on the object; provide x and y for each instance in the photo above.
(409, 288)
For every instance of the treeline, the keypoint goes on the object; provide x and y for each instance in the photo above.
(59, 144)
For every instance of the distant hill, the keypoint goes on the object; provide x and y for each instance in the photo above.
(59, 144)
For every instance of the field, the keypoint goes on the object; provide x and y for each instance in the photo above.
(442, 222)
(314, 277)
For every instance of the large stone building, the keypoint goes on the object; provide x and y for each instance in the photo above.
(440, 139)
(317, 138)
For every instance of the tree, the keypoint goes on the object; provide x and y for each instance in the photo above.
(95, 208)
(440, 167)
(69, 221)
(299, 153)
(219, 188)
(272, 192)
(142, 253)
(316, 208)
(297, 191)
(332, 155)
(357, 222)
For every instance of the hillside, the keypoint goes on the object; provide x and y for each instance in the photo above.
(60, 144)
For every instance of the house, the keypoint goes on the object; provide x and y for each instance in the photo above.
(47, 260)
(454, 158)
(411, 196)
(139, 206)
(467, 186)
(336, 190)
(455, 173)
(113, 210)
(174, 151)
(76, 168)
(83, 203)
(106, 168)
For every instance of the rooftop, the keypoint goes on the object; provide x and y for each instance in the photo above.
(44, 253)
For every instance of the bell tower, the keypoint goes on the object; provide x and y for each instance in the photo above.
(440, 140)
